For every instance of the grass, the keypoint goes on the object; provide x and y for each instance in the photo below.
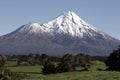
(34, 73)
(24, 69)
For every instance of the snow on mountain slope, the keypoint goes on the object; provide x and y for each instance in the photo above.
(70, 23)
(67, 33)
(31, 28)
(67, 23)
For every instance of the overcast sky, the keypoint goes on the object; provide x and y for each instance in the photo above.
(103, 14)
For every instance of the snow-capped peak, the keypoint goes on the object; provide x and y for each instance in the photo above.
(67, 23)
(72, 16)
(70, 23)
(69, 16)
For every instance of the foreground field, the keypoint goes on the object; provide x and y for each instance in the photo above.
(96, 72)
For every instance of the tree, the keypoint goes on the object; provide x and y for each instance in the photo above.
(83, 60)
(65, 67)
(31, 59)
(113, 61)
(48, 67)
(37, 58)
(69, 58)
(6, 74)
(44, 58)
(66, 64)
(3, 61)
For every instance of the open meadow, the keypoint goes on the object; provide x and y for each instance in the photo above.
(96, 72)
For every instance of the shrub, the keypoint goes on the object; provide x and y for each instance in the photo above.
(65, 67)
(48, 68)
(113, 61)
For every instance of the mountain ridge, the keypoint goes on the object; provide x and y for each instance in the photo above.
(67, 33)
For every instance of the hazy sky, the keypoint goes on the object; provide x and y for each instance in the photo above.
(103, 14)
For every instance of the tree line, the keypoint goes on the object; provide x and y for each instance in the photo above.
(67, 63)
(52, 64)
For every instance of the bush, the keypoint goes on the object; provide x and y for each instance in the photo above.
(82, 59)
(113, 61)
(65, 67)
(48, 68)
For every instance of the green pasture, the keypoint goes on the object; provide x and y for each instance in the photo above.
(96, 72)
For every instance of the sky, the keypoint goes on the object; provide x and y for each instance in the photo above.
(102, 14)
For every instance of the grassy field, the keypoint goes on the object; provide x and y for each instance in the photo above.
(34, 73)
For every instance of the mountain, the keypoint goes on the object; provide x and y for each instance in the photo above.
(67, 33)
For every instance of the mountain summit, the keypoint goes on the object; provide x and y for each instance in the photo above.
(70, 23)
(67, 33)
